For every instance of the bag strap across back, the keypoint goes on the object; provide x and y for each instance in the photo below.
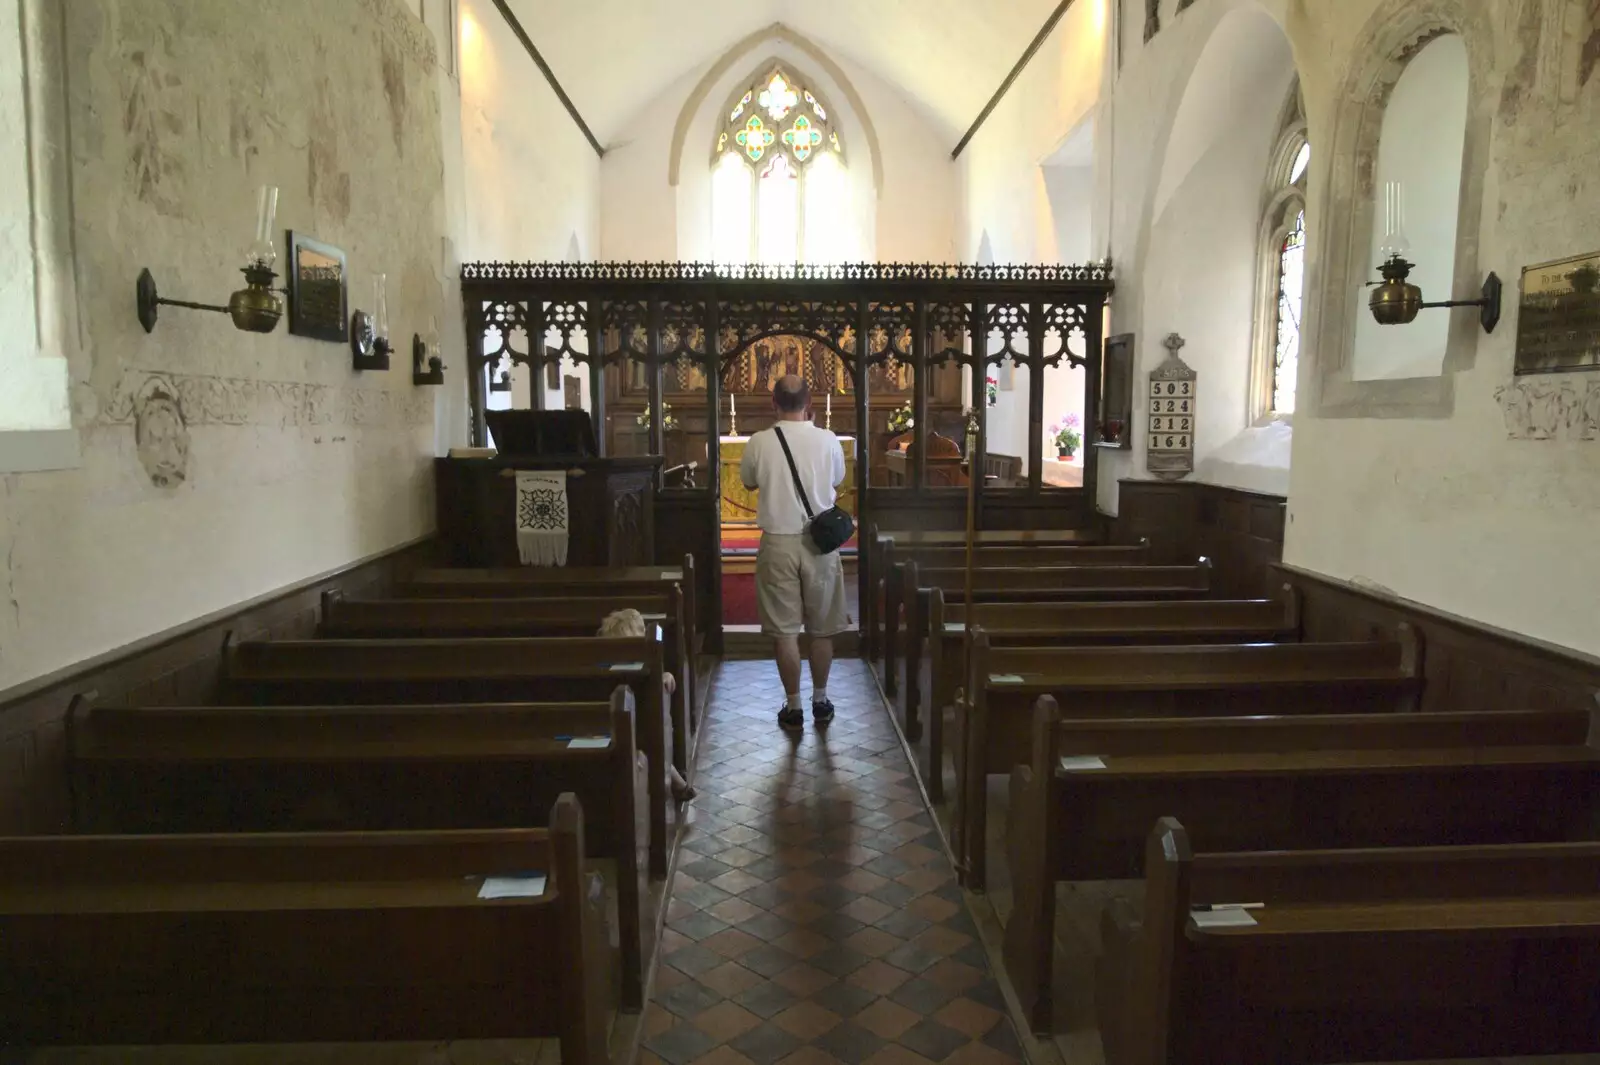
(794, 472)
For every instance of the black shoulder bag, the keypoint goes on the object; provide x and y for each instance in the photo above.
(829, 530)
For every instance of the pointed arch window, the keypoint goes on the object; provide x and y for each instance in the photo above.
(1282, 269)
(780, 191)
(1291, 292)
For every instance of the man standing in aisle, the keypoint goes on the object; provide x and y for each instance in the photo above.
(798, 588)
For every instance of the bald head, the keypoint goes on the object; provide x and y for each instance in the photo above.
(791, 394)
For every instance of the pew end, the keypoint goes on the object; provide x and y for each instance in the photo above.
(1114, 974)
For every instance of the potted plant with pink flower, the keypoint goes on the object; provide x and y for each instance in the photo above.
(1068, 435)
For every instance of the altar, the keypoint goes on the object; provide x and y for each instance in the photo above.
(739, 503)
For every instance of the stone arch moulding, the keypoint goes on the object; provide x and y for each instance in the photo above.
(742, 49)
(1336, 275)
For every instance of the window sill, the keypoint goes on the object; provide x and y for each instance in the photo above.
(39, 450)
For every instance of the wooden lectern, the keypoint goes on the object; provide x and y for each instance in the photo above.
(610, 502)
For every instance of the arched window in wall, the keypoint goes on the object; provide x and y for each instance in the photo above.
(1420, 154)
(780, 190)
(1282, 257)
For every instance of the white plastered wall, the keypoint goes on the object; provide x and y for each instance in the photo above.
(1034, 212)
(911, 220)
(1446, 511)
(1449, 511)
(291, 464)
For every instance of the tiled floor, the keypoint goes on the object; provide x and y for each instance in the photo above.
(815, 918)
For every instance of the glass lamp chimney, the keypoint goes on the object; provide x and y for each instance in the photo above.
(261, 252)
(380, 306)
(1395, 242)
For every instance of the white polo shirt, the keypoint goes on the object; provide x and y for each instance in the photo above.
(818, 457)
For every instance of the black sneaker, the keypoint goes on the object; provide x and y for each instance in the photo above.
(822, 711)
(792, 719)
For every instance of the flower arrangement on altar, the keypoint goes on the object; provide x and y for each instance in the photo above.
(668, 422)
(1068, 436)
(901, 419)
(991, 388)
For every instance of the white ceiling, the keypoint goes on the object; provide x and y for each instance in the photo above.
(947, 56)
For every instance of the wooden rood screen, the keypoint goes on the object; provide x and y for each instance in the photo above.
(644, 331)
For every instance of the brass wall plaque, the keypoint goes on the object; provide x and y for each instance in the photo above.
(1558, 323)
(319, 290)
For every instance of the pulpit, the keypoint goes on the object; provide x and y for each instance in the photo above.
(610, 502)
(739, 503)
(945, 465)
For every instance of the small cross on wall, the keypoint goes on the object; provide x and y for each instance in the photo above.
(1174, 343)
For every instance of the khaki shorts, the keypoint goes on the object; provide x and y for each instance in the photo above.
(799, 589)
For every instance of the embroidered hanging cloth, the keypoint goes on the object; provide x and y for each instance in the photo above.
(542, 517)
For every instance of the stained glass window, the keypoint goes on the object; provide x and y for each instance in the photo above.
(1291, 290)
(780, 190)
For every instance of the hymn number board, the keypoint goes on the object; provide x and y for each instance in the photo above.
(1170, 454)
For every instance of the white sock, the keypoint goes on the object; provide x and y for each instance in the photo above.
(793, 700)
(819, 695)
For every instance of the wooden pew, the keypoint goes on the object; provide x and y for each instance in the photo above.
(1075, 624)
(370, 768)
(1023, 584)
(893, 597)
(377, 619)
(442, 671)
(1081, 808)
(1356, 955)
(525, 582)
(302, 937)
(996, 722)
(879, 542)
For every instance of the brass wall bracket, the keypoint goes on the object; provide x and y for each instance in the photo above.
(425, 369)
(256, 308)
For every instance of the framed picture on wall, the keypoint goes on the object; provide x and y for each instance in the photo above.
(319, 290)
(572, 389)
(552, 376)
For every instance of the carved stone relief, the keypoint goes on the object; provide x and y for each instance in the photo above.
(160, 435)
(1550, 410)
(204, 399)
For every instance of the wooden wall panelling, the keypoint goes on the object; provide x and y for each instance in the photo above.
(1241, 532)
(177, 666)
(1467, 666)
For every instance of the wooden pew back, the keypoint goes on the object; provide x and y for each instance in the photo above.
(357, 619)
(535, 582)
(1028, 580)
(545, 617)
(882, 544)
(369, 768)
(1223, 680)
(320, 937)
(1394, 954)
(1066, 624)
(1081, 809)
(1160, 737)
(422, 670)
(914, 584)
(439, 671)
(989, 556)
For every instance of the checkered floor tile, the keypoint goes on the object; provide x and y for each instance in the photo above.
(815, 919)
